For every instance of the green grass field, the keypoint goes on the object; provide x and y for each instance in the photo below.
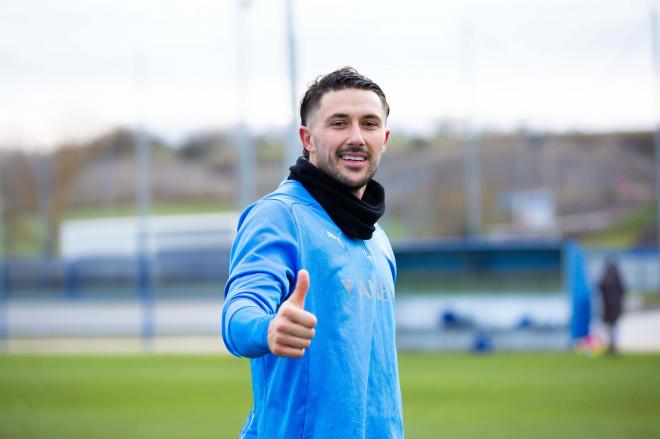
(445, 396)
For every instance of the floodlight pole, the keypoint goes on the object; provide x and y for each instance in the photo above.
(143, 191)
(4, 306)
(292, 146)
(656, 90)
(245, 144)
(42, 173)
(471, 140)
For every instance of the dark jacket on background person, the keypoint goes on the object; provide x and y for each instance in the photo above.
(612, 292)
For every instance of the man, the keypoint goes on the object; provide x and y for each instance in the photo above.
(612, 292)
(310, 293)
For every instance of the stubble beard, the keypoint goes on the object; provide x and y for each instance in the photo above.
(333, 171)
(331, 167)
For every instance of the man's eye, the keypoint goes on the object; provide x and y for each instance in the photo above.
(337, 123)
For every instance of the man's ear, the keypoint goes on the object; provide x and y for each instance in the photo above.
(306, 138)
(387, 139)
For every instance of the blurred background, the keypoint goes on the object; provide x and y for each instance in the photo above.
(522, 156)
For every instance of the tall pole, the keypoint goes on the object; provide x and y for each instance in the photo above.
(4, 312)
(656, 90)
(108, 186)
(43, 181)
(471, 140)
(245, 144)
(292, 146)
(143, 210)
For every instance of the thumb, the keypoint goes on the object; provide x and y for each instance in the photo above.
(298, 295)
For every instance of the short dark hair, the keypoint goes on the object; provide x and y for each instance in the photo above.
(340, 79)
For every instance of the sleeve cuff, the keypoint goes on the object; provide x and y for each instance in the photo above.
(246, 329)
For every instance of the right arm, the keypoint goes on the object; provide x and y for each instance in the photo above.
(257, 318)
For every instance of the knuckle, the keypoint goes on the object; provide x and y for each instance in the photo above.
(286, 312)
(281, 327)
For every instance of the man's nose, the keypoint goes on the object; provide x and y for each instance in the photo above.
(356, 135)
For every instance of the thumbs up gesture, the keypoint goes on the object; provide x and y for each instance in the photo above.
(291, 330)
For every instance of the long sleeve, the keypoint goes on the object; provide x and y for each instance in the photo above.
(262, 270)
(248, 324)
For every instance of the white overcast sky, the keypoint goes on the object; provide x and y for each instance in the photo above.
(68, 67)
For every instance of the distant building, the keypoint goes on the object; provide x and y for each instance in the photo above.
(118, 237)
(533, 212)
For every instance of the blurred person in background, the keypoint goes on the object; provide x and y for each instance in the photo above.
(310, 293)
(612, 292)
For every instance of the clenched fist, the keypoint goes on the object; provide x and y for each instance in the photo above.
(291, 330)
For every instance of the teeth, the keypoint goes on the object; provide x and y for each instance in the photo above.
(353, 158)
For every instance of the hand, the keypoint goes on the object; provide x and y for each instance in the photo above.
(291, 330)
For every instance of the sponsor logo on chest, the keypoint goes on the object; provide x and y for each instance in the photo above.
(368, 289)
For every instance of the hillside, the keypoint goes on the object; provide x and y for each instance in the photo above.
(600, 183)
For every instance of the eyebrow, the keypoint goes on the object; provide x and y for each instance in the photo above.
(337, 116)
(346, 115)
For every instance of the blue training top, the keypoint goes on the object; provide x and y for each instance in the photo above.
(347, 383)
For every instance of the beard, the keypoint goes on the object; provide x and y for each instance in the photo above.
(347, 181)
(332, 169)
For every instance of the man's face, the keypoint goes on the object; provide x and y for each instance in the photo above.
(346, 136)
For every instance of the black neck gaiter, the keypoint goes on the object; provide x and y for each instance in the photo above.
(355, 217)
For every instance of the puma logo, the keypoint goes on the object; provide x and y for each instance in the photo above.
(330, 235)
